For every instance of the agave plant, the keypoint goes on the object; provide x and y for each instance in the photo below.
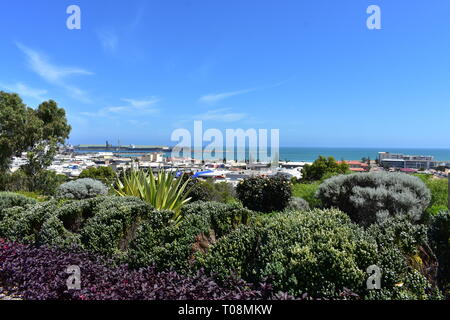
(163, 191)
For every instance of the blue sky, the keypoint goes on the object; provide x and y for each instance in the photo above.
(137, 70)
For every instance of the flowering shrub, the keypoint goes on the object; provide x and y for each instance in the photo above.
(104, 224)
(82, 189)
(265, 194)
(320, 252)
(40, 273)
(124, 228)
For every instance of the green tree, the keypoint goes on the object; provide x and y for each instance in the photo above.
(54, 130)
(323, 167)
(105, 174)
(19, 128)
(38, 132)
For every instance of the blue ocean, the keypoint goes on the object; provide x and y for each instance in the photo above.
(309, 154)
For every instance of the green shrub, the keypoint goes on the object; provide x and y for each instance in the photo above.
(366, 197)
(320, 252)
(208, 190)
(168, 245)
(34, 195)
(307, 191)
(103, 225)
(198, 191)
(439, 235)
(222, 218)
(403, 258)
(439, 193)
(23, 224)
(265, 194)
(47, 182)
(113, 225)
(104, 174)
(15, 181)
(222, 192)
(82, 189)
(298, 204)
(10, 199)
(323, 168)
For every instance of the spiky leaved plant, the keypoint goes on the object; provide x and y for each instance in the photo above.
(163, 191)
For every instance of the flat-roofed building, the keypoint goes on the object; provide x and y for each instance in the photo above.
(401, 161)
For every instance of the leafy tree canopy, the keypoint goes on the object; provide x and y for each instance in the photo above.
(323, 167)
(36, 131)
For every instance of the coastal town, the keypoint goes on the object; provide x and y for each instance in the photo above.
(72, 160)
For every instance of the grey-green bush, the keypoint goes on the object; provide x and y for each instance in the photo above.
(368, 197)
(82, 189)
(298, 204)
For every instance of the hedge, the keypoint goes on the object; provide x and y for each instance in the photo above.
(169, 245)
(104, 224)
(320, 252)
(10, 199)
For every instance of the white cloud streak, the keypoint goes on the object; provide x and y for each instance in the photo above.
(133, 107)
(220, 115)
(56, 75)
(108, 39)
(216, 97)
(26, 91)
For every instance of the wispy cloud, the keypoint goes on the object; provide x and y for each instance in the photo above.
(221, 115)
(143, 104)
(56, 75)
(133, 107)
(25, 91)
(216, 97)
(108, 39)
(136, 21)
